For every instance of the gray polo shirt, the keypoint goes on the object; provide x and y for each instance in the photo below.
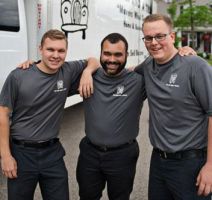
(37, 99)
(112, 113)
(180, 100)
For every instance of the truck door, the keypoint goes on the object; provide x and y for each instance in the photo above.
(13, 37)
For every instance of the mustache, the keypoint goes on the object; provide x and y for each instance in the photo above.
(112, 63)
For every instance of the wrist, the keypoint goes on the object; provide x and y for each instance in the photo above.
(88, 71)
(5, 153)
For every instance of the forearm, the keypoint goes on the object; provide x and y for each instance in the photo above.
(209, 150)
(4, 132)
(93, 65)
(204, 178)
(86, 81)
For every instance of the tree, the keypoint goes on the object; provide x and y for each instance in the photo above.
(191, 16)
(172, 10)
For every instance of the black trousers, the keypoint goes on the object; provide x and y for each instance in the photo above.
(175, 179)
(39, 165)
(115, 167)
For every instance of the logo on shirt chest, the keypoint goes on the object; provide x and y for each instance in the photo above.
(60, 86)
(172, 81)
(120, 91)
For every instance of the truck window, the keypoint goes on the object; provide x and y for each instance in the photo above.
(9, 16)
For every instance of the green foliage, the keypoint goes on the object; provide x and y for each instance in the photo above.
(210, 61)
(202, 16)
(172, 9)
(191, 16)
(177, 41)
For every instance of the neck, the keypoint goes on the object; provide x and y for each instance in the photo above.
(113, 75)
(172, 54)
(42, 67)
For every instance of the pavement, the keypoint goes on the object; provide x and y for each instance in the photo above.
(72, 130)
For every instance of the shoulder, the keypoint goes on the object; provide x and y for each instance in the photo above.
(99, 73)
(18, 73)
(193, 60)
(73, 67)
(74, 63)
(133, 76)
(140, 68)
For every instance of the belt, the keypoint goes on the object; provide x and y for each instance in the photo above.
(193, 153)
(105, 148)
(36, 144)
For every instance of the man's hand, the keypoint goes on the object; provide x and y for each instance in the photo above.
(186, 50)
(204, 180)
(26, 64)
(9, 167)
(86, 84)
(131, 68)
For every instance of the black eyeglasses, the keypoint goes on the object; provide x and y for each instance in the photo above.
(158, 37)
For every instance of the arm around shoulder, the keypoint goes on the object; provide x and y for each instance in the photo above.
(86, 81)
(92, 65)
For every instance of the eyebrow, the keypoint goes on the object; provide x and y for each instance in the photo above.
(111, 53)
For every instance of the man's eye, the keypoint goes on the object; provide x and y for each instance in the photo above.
(159, 37)
(107, 53)
(148, 38)
(118, 54)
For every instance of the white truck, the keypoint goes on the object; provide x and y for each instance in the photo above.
(85, 22)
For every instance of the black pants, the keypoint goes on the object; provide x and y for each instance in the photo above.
(116, 168)
(174, 179)
(39, 165)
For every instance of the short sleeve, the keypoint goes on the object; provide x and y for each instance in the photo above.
(75, 68)
(9, 92)
(201, 85)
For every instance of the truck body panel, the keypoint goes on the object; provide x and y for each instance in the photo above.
(85, 22)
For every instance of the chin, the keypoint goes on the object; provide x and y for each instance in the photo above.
(53, 67)
(111, 71)
(157, 55)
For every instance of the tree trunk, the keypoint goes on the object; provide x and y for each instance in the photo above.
(192, 24)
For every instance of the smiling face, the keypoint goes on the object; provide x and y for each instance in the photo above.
(113, 57)
(53, 53)
(162, 51)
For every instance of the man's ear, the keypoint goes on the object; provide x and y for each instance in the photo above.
(173, 36)
(40, 48)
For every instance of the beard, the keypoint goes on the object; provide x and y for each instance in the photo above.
(118, 70)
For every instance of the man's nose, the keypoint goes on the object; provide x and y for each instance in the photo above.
(55, 54)
(112, 58)
(154, 41)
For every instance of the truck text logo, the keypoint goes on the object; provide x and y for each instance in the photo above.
(74, 15)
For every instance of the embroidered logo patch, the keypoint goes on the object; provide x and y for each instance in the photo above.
(60, 86)
(172, 81)
(120, 91)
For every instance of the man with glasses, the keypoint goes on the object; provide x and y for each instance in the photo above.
(179, 96)
(160, 37)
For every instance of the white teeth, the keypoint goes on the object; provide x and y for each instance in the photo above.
(155, 49)
(54, 62)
